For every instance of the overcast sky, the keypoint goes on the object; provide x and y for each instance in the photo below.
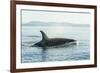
(52, 16)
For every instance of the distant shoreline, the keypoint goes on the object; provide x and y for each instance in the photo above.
(38, 23)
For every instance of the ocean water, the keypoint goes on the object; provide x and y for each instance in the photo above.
(32, 35)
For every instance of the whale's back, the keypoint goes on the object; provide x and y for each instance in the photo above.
(52, 41)
(57, 41)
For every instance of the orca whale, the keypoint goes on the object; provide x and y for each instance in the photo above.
(47, 42)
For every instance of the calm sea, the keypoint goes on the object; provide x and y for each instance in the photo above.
(32, 35)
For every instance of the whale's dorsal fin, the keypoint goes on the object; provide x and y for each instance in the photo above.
(44, 36)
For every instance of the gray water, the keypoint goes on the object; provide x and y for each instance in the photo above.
(32, 35)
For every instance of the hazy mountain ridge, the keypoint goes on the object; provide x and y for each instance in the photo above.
(39, 23)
